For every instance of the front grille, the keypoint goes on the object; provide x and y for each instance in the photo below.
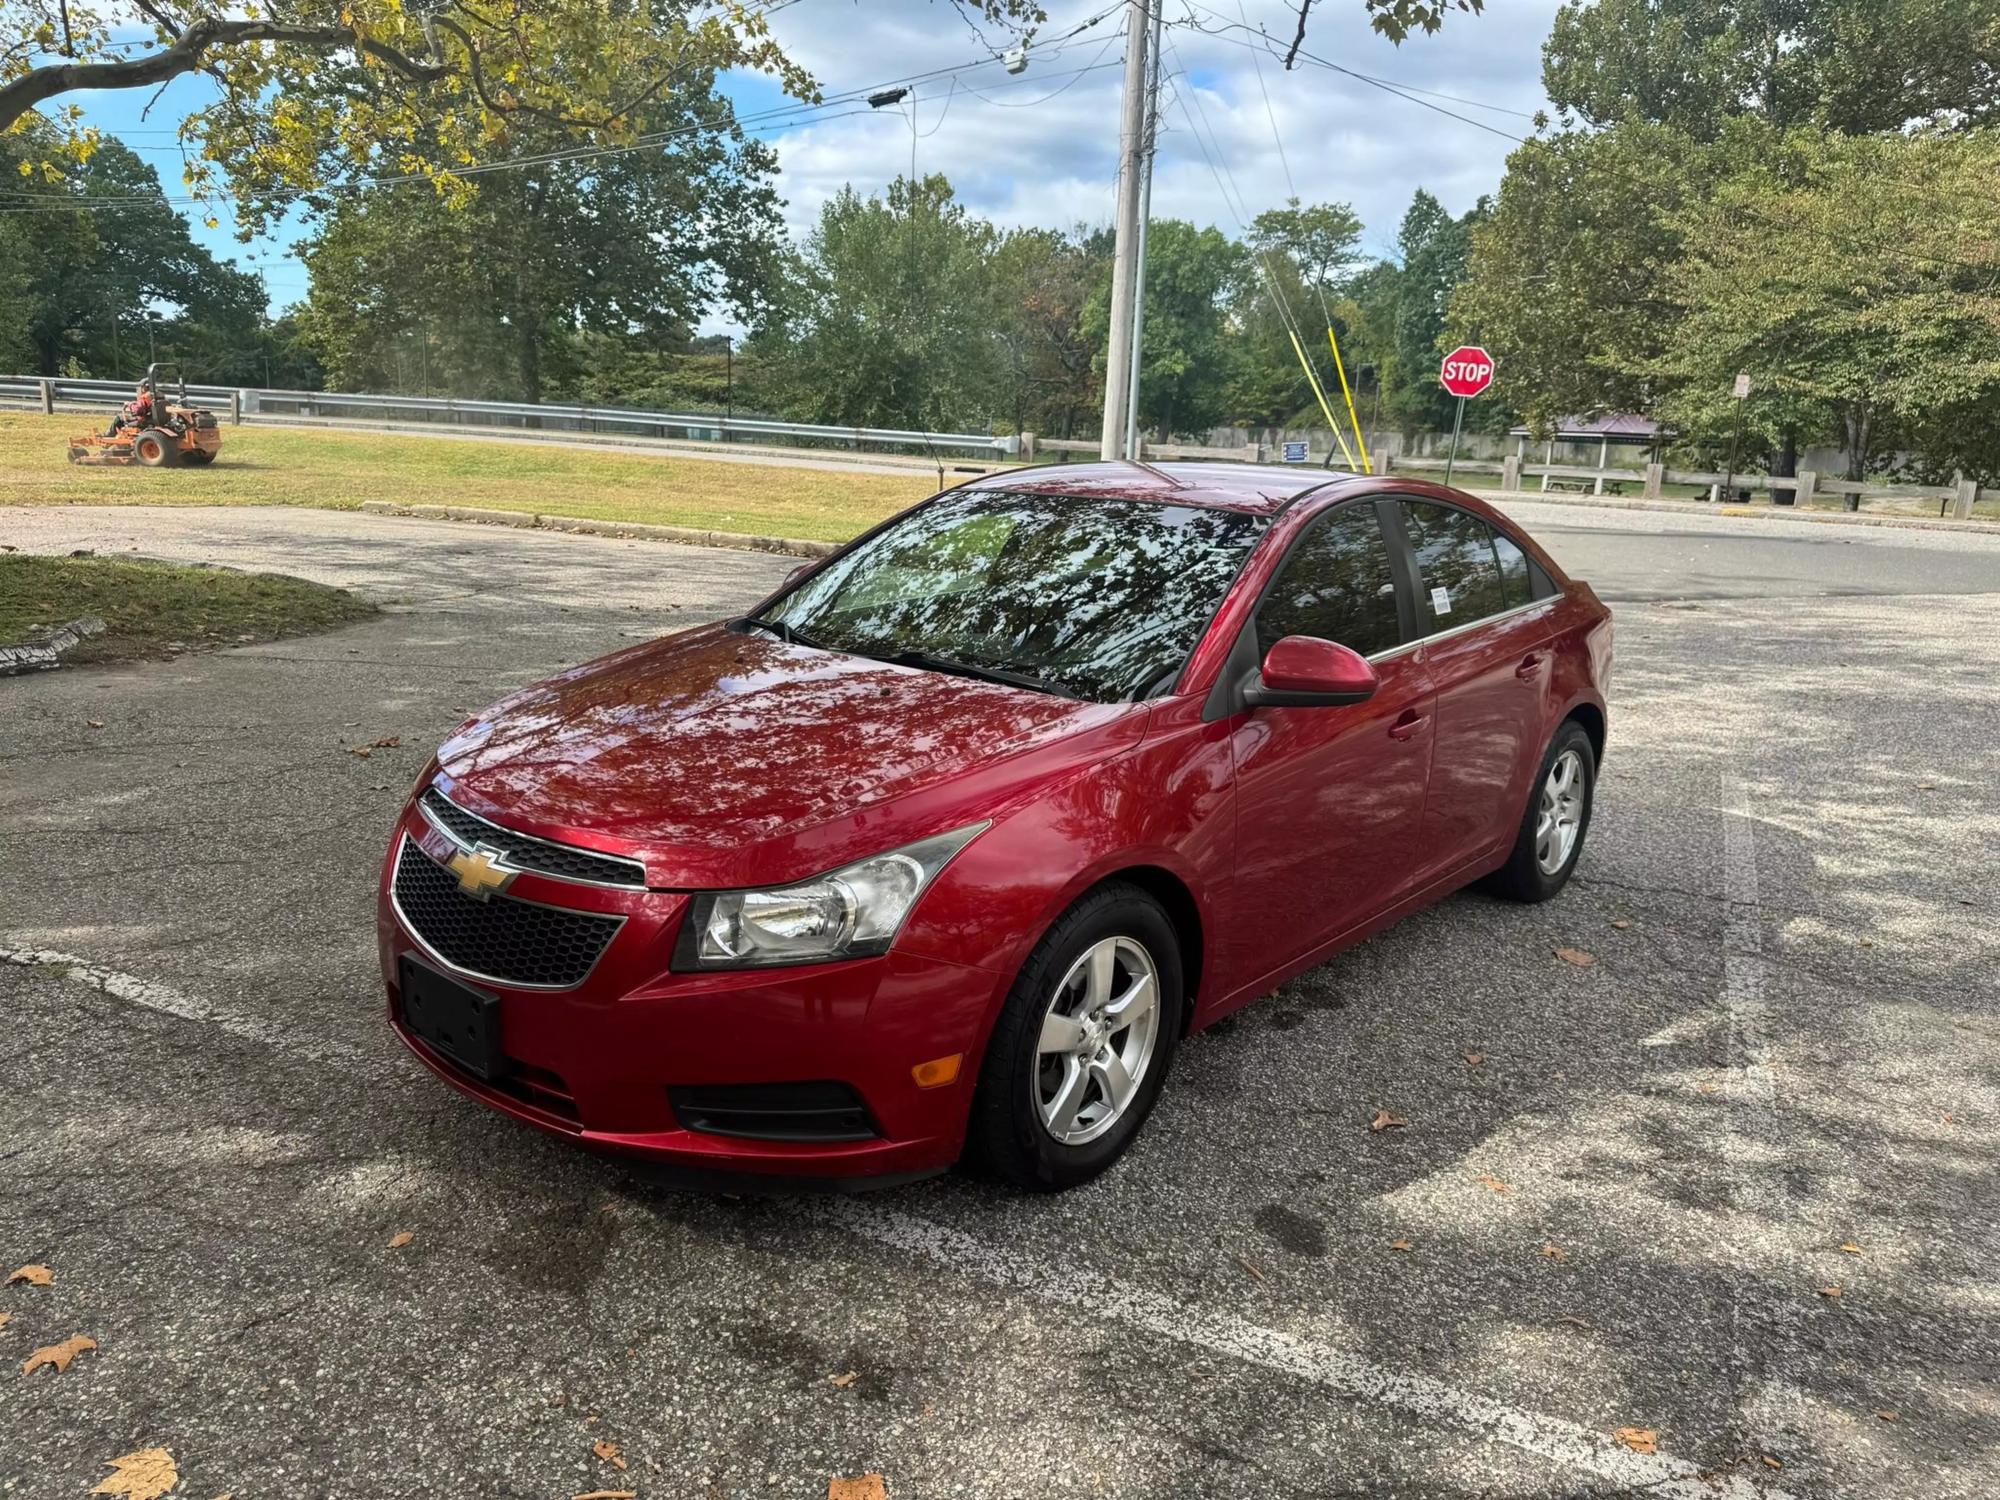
(530, 853)
(502, 939)
(823, 1111)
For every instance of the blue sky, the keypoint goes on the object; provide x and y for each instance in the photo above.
(1041, 147)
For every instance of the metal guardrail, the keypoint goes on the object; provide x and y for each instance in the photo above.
(421, 411)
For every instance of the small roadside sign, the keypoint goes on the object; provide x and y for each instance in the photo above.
(1466, 371)
(1297, 453)
(1742, 387)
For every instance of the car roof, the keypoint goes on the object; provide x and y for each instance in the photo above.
(1259, 489)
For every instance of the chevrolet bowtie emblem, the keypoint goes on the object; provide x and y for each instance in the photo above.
(481, 870)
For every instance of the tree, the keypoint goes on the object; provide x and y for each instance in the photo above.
(1857, 280)
(1042, 281)
(1566, 282)
(1304, 255)
(1435, 248)
(1856, 66)
(1186, 357)
(885, 318)
(489, 300)
(92, 279)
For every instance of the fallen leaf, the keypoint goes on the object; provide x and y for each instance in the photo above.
(1829, 1291)
(1621, 923)
(1401, 1245)
(93, 723)
(1889, 1416)
(860, 1487)
(1575, 956)
(145, 1475)
(844, 1381)
(1385, 1121)
(1851, 1248)
(1581, 1323)
(391, 742)
(1946, 1117)
(401, 1238)
(1867, 942)
(33, 1275)
(1708, 1088)
(1244, 1262)
(5, 1319)
(1474, 1059)
(1494, 1184)
(1638, 1439)
(58, 1355)
(609, 1451)
(1555, 1252)
(1771, 1463)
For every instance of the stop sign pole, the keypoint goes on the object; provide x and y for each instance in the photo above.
(1466, 371)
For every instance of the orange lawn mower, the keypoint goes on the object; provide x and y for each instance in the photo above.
(152, 432)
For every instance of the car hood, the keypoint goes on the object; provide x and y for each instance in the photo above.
(726, 759)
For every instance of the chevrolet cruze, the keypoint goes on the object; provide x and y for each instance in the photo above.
(940, 851)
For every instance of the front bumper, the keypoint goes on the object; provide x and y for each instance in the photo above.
(595, 1063)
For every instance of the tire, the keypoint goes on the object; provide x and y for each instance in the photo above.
(1009, 1134)
(1538, 868)
(155, 449)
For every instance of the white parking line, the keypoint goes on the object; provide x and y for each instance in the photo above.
(1420, 1396)
(150, 995)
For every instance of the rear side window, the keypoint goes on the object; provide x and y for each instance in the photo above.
(1458, 574)
(1337, 584)
(1516, 586)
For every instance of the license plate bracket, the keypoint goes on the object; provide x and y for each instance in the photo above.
(453, 1019)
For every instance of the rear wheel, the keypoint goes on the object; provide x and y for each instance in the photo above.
(1082, 1045)
(155, 449)
(1552, 830)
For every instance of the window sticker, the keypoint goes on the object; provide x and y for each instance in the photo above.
(1440, 601)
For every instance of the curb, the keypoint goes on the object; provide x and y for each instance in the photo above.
(47, 655)
(687, 536)
(1503, 498)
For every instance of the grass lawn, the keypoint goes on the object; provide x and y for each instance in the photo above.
(339, 470)
(156, 609)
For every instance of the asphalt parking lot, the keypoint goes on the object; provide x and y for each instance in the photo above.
(1777, 1078)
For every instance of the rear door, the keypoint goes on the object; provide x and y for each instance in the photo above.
(1330, 800)
(1486, 646)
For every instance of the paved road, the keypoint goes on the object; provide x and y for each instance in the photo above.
(1625, 1216)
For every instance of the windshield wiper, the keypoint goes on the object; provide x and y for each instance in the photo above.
(790, 634)
(956, 668)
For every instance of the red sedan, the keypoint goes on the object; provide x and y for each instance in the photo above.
(942, 849)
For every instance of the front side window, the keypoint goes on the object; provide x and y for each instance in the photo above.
(1337, 584)
(1099, 598)
(1458, 577)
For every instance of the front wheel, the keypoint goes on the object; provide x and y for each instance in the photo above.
(1558, 816)
(1081, 1048)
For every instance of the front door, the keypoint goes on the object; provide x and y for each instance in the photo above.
(1330, 800)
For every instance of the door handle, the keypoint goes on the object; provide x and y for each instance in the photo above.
(1530, 665)
(1408, 725)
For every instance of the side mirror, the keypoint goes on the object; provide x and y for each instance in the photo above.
(1302, 671)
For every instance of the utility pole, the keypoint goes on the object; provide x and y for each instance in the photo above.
(1132, 446)
(1125, 259)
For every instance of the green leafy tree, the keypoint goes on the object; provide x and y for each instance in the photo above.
(1858, 281)
(490, 300)
(1566, 284)
(1435, 248)
(1042, 281)
(1856, 66)
(886, 319)
(1187, 356)
(1301, 258)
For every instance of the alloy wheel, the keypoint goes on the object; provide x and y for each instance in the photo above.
(1559, 822)
(1097, 1040)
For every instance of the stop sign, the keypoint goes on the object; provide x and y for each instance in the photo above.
(1467, 370)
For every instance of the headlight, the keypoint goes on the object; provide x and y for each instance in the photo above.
(851, 913)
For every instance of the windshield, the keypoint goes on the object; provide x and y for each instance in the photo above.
(1097, 598)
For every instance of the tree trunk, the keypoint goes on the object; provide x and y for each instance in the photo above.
(1857, 422)
(1785, 461)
